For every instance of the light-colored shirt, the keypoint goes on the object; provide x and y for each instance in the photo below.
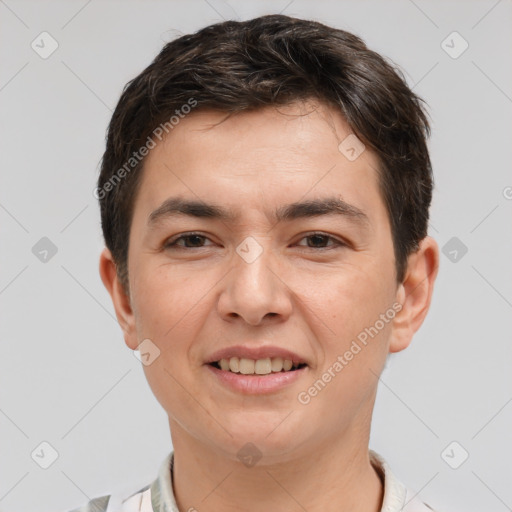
(158, 496)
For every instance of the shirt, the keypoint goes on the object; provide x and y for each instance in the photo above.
(158, 496)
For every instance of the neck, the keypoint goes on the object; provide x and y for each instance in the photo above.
(335, 476)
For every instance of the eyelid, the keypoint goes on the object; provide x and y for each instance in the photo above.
(172, 242)
(337, 241)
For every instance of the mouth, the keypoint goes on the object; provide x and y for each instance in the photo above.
(257, 376)
(257, 367)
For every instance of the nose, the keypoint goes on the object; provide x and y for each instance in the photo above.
(255, 292)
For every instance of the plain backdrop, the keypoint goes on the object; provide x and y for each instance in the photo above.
(67, 378)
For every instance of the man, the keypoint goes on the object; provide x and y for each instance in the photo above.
(264, 197)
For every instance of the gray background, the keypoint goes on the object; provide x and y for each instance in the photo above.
(66, 376)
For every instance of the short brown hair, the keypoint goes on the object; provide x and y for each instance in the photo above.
(274, 60)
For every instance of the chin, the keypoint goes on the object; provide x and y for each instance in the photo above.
(272, 438)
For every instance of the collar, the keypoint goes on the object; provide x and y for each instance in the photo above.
(397, 498)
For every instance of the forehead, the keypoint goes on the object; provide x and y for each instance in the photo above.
(261, 157)
(303, 129)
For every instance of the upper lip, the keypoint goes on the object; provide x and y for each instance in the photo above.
(261, 352)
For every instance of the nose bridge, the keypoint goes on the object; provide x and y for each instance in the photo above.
(253, 290)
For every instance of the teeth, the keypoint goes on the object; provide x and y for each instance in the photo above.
(246, 366)
(263, 366)
(277, 364)
(234, 364)
(256, 367)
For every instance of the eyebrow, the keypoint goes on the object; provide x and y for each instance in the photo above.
(176, 206)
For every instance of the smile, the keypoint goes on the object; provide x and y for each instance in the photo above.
(253, 383)
(264, 366)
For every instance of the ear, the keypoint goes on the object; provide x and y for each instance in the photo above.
(415, 293)
(121, 301)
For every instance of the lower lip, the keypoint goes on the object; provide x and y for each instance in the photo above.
(257, 384)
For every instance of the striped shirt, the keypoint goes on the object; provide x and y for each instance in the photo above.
(158, 496)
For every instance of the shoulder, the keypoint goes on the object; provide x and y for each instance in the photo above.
(99, 504)
(413, 504)
(397, 496)
(131, 502)
(157, 495)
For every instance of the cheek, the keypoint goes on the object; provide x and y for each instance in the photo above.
(343, 310)
(162, 296)
(171, 307)
(347, 297)
(169, 310)
(353, 342)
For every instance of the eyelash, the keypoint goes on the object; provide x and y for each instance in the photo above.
(172, 243)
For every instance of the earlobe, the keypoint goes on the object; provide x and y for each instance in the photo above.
(415, 293)
(120, 300)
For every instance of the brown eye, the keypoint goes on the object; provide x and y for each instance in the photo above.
(193, 240)
(318, 240)
(321, 241)
(190, 241)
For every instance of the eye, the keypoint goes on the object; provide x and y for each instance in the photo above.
(321, 241)
(190, 241)
(198, 241)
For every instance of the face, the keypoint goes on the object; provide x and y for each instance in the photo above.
(290, 247)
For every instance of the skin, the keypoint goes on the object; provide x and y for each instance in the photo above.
(191, 301)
